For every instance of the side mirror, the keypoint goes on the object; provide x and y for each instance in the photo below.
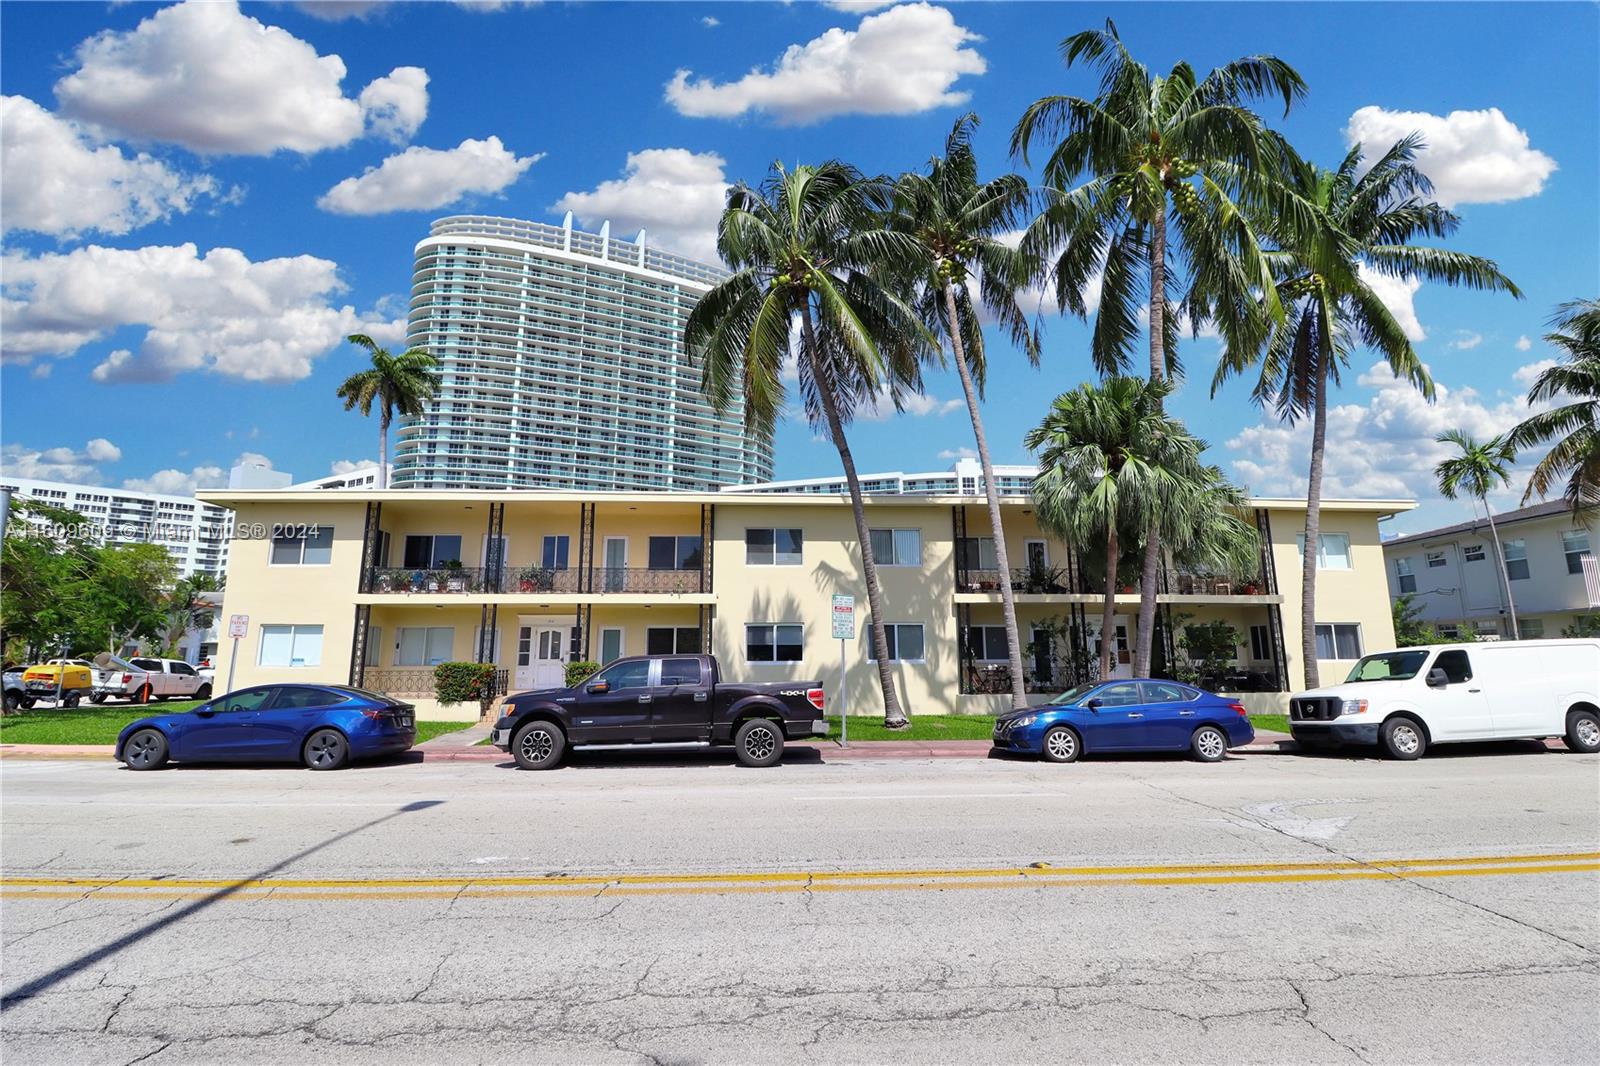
(1437, 678)
(600, 688)
(1095, 704)
(205, 710)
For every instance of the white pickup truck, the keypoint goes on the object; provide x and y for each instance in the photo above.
(144, 679)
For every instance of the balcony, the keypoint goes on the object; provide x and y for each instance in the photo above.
(1057, 581)
(531, 580)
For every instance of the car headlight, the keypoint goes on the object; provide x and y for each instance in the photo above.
(1025, 720)
(1353, 707)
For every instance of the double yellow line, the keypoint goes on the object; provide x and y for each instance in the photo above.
(795, 881)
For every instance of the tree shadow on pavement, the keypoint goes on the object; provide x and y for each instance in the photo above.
(46, 981)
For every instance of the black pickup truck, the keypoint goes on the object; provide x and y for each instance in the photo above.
(664, 701)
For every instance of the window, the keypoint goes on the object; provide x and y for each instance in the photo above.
(904, 640)
(635, 673)
(675, 553)
(290, 646)
(610, 645)
(430, 552)
(152, 665)
(672, 640)
(1456, 666)
(374, 645)
(1407, 581)
(776, 643)
(1333, 550)
(773, 547)
(251, 699)
(314, 548)
(1516, 553)
(1472, 553)
(1575, 543)
(1166, 692)
(182, 669)
(680, 671)
(1450, 631)
(1435, 559)
(976, 553)
(897, 547)
(555, 554)
(1530, 628)
(987, 644)
(1122, 694)
(424, 645)
(1260, 642)
(296, 696)
(1338, 640)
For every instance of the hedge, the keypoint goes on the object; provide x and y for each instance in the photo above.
(579, 672)
(464, 683)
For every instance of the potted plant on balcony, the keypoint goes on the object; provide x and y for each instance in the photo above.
(454, 579)
(535, 579)
(1248, 588)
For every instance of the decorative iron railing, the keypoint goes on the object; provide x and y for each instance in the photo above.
(533, 579)
(418, 682)
(458, 579)
(994, 679)
(1023, 579)
(634, 579)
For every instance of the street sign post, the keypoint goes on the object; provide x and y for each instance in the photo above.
(238, 626)
(844, 628)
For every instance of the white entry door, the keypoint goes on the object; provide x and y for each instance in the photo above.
(541, 657)
(1121, 650)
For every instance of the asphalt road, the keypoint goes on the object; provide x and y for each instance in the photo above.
(1272, 908)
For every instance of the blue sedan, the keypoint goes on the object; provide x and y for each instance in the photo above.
(1136, 715)
(321, 726)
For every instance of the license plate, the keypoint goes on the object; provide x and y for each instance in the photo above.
(403, 723)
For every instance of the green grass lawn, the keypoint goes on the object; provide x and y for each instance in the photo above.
(1278, 723)
(89, 724)
(923, 727)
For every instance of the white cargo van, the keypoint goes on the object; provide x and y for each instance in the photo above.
(1409, 699)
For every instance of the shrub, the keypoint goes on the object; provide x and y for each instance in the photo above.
(579, 672)
(464, 683)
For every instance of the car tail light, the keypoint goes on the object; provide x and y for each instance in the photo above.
(375, 715)
(1238, 708)
(814, 695)
(127, 679)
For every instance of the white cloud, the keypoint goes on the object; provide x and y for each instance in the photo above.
(1472, 157)
(59, 464)
(390, 333)
(917, 405)
(1383, 447)
(1524, 375)
(340, 10)
(673, 193)
(710, 22)
(350, 466)
(259, 321)
(423, 179)
(396, 103)
(900, 62)
(56, 177)
(958, 453)
(209, 77)
(174, 482)
(856, 6)
(1523, 343)
(1466, 340)
(1396, 294)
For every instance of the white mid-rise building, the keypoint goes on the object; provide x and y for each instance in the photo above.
(965, 478)
(195, 534)
(563, 366)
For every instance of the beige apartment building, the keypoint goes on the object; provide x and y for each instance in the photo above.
(375, 588)
(1551, 571)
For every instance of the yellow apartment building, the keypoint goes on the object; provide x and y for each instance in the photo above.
(374, 588)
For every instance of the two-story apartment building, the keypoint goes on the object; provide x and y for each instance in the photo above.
(1450, 572)
(375, 588)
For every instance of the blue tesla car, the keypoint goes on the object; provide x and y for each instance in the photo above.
(1135, 715)
(322, 726)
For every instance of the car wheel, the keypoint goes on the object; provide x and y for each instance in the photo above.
(143, 695)
(539, 746)
(1403, 739)
(1209, 744)
(1583, 732)
(97, 698)
(145, 750)
(70, 700)
(13, 702)
(326, 750)
(1061, 745)
(203, 692)
(759, 742)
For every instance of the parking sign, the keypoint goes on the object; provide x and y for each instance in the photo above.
(238, 626)
(844, 617)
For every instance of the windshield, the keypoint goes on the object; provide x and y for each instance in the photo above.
(1389, 666)
(1074, 695)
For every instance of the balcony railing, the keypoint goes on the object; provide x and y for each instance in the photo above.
(1052, 580)
(417, 681)
(525, 580)
(458, 579)
(631, 579)
(1023, 579)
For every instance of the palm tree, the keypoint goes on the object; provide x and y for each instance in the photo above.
(808, 245)
(1149, 179)
(1361, 224)
(398, 384)
(1477, 470)
(1576, 456)
(1110, 458)
(958, 226)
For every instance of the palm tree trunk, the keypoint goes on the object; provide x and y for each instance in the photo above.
(1108, 631)
(1308, 564)
(1145, 639)
(1008, 599)
(383, 449)
(1505, 576)
(893, 716)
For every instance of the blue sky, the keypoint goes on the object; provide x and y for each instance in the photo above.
(132, 359)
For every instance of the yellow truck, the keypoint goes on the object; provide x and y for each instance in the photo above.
(72, 679)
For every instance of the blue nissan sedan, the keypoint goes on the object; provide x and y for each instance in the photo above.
(1135, 715)
(322, 726)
